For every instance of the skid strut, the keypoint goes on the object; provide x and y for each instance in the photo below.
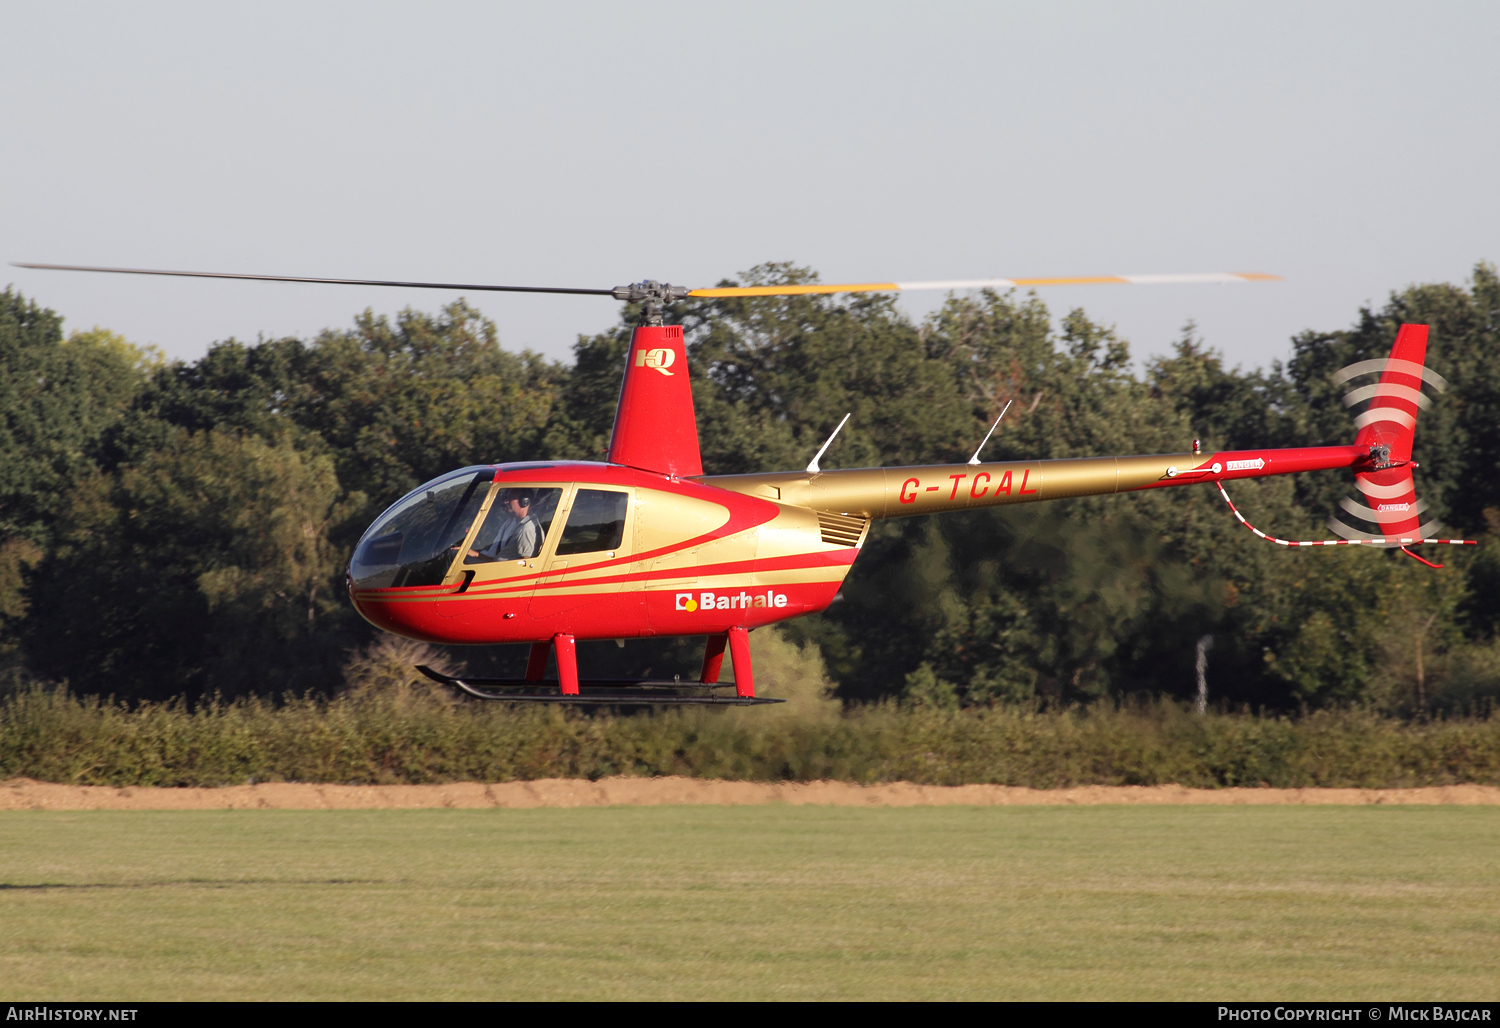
(536, 664)
(739, 652)
(713, 659)
(567, 663)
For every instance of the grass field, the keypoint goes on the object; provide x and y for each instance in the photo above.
(753, 902)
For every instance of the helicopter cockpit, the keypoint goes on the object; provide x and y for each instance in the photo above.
(417, 541)
(412, 542)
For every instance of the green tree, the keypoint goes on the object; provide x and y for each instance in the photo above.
(58, 398)
(394, 404)
(204, 566)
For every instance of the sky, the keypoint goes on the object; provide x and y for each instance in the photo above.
(1349, 147)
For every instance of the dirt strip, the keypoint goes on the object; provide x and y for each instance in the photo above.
(25, 794)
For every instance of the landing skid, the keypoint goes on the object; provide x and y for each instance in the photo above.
(610, 691)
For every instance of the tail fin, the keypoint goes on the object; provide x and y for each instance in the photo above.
(1386, 428)
(655, 427)
(1391, 420)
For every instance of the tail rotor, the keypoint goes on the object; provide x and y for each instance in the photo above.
(1387, 511)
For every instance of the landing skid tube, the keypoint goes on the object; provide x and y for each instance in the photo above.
(608, 691)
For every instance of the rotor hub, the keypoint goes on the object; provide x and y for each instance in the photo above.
(651, 295)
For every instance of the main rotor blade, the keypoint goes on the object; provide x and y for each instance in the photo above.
(462, 286)
(1218, 277)
(991, 283)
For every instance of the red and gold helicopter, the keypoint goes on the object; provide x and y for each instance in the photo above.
(553, 552)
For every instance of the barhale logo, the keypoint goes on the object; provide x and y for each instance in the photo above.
(729, 601)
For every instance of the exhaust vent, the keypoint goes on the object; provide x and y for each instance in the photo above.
(840, 529)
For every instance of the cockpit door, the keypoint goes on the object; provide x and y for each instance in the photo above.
(590, 561)
(504, 550)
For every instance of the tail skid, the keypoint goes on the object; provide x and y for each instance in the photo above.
(1402, 541)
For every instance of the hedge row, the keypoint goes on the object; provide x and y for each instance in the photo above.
(410, 737)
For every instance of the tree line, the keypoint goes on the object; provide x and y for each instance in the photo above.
(181, 528)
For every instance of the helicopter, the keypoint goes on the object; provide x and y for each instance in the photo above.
(645, 544)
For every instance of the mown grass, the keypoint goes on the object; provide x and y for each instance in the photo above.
(1284, 903)
(409, 736)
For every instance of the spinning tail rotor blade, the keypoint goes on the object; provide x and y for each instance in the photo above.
(462, 286)
(1212, 277)
(1382, 365)
(1385, 418)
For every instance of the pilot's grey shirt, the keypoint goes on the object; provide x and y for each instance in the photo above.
(518, 538)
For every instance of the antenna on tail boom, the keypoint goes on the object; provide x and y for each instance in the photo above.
(975, 459)
(812, 467)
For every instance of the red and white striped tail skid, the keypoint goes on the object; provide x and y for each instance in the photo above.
(1370, 540)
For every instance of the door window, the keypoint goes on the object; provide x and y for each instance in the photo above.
(596, 522)
(516, 527)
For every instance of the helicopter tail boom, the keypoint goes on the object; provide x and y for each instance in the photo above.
(940, 488)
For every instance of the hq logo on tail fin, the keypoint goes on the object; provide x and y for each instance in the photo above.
(661, 358)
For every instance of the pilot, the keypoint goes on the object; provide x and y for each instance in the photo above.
(520, 536)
